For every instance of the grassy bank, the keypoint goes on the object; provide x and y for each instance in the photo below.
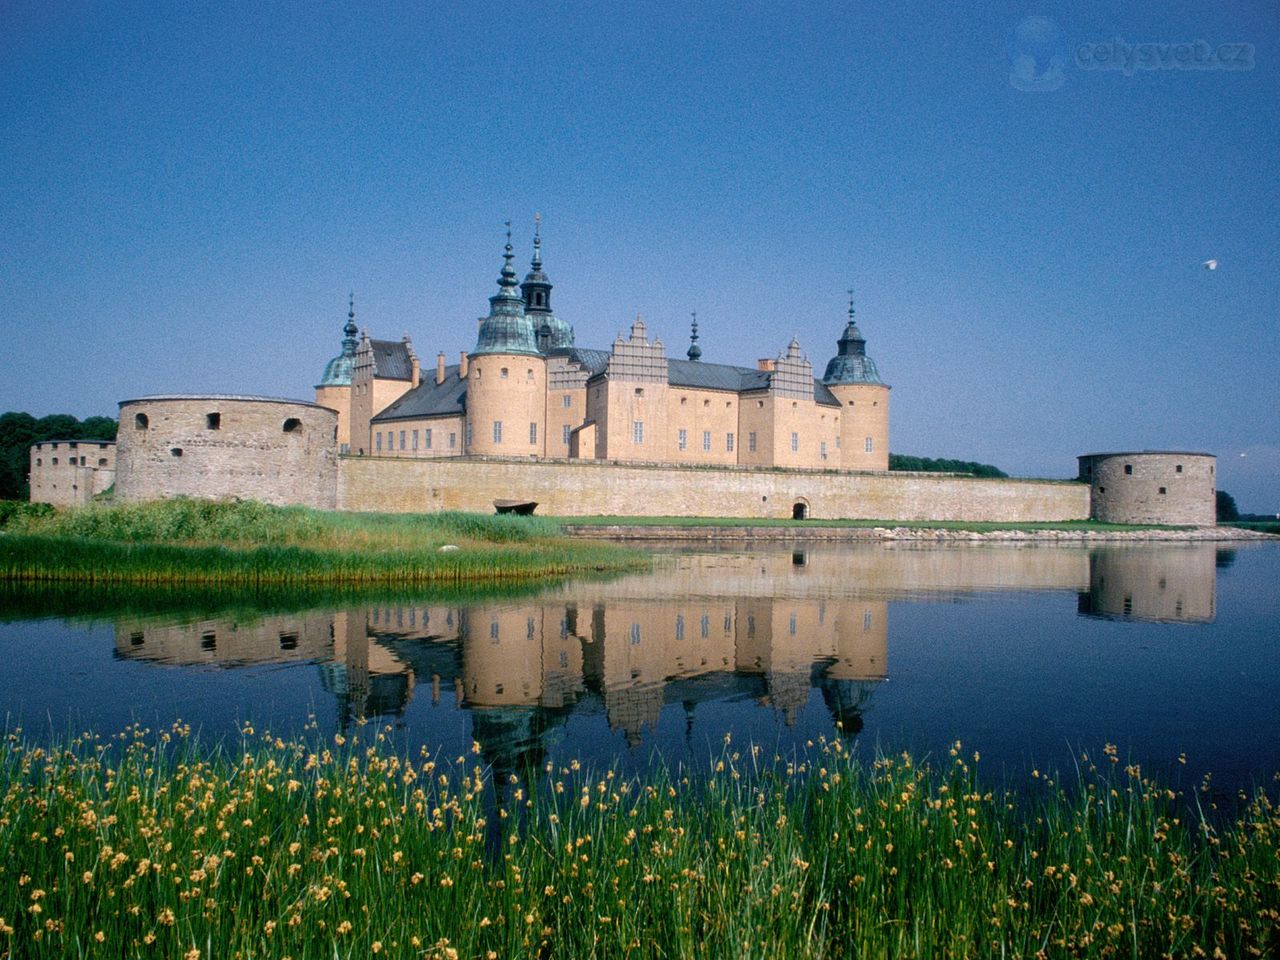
(186, 542)
(973, 526)
(298, 850)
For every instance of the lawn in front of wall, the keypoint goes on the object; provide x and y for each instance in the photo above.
(972, 526)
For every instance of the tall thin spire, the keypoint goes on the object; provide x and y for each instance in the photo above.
(850, 292)
(537, 242)
(695, 351)
(508, 278)
(350, 330)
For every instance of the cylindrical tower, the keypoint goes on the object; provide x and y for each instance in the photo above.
(506, 378)
(1152, 486)
(853, 379)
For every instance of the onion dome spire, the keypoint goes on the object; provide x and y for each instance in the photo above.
(349, 331)
(695, 351)
(339, 371)
(506, 329)
(552, 332)
(851, 363)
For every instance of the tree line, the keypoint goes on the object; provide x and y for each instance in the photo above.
(18, 431)
(901, 461)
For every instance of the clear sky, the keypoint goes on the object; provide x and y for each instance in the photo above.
(1021, 197)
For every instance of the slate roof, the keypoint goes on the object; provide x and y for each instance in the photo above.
(430, 399)
(391, 360)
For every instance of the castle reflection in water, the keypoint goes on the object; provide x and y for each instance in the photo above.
(770, 627)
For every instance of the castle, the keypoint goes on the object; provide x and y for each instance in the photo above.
(527, 390)
(528, 418)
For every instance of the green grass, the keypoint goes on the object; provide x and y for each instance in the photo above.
(1262, 526)
(959, 525)
(153, 847)
(191, 542)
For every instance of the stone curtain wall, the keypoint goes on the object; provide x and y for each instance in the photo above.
(566, 488)
(70, 473)
(254, 448)
(1152, 487)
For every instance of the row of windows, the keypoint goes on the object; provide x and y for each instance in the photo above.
(409, 440)
(213, 421)
(71, 462)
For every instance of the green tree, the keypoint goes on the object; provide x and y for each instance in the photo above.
(901, 461)
(1227, 510)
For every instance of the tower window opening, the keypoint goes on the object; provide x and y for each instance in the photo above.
(1128, 468)
(213, 421)
(1178, 468)
(292, 425)
(503, 373)
(175, 451)
(1163, 491)
(140, 421)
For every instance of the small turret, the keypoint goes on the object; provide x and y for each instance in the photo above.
(695, 351)
(506, 329)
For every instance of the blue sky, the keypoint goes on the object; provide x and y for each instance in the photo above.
(190, 191)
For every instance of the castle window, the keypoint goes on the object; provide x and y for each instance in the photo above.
(38, 462)
(751, 442)
(679, 626)
(637, 431)
(504, 373)
(706, 441)
(682, 440)
(639, 391)
(759, 404)
(822, 449)
(866, 620)
(102, 461)
(402, 439)
(1102, 489)
(415, 441)
(140, 421)
(292, 425)
(391, 440)
(795, 442)
(288, 641)
(1178, 468)
(497, 431)
(528, 374)
(566, 401)
(213, 421)
(533, 433)
(704, 626)
(453, 441)
(869, 445)
(706, 403)
(684, 401)
(1128, 468)
(566, 432)
(54, 461)
(426, 438)
(83, 461)
(851, 403)
(208, 641)
(175, 451)
(377, 442)
(1163, 491)
(635, 634)
(728, 442)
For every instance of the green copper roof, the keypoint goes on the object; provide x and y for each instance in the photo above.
(506, 329)
(851, 363)
(339, 370)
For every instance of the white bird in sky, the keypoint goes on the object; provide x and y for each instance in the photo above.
(1211, 264)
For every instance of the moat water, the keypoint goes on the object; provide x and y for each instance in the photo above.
(1028, 654)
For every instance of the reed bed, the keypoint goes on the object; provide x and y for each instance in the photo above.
(143, 845)
(190, 542)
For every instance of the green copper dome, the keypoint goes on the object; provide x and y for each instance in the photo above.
(506, 329)
(851, 363)
(339, 371)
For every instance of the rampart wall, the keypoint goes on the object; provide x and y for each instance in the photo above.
(591, 488)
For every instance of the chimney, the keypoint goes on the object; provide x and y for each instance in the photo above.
(440, 367)
(767, 364)
(415, 368)
(462, 365)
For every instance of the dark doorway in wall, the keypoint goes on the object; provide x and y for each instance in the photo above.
(800, 511)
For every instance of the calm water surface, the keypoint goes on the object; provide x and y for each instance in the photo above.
(1027, 654)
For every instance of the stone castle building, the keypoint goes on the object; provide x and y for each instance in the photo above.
(70, 473)
(527, 390)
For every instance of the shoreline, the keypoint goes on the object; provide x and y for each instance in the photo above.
(699, 533)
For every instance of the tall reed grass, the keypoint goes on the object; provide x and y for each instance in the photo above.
(150, 846)
(187, 542)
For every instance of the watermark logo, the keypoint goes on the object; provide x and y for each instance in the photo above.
(1129, 58)
(1040, 59)
(1037, 56)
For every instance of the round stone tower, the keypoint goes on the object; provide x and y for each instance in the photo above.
(506, 378)
(1152, 486)
(853, 379)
